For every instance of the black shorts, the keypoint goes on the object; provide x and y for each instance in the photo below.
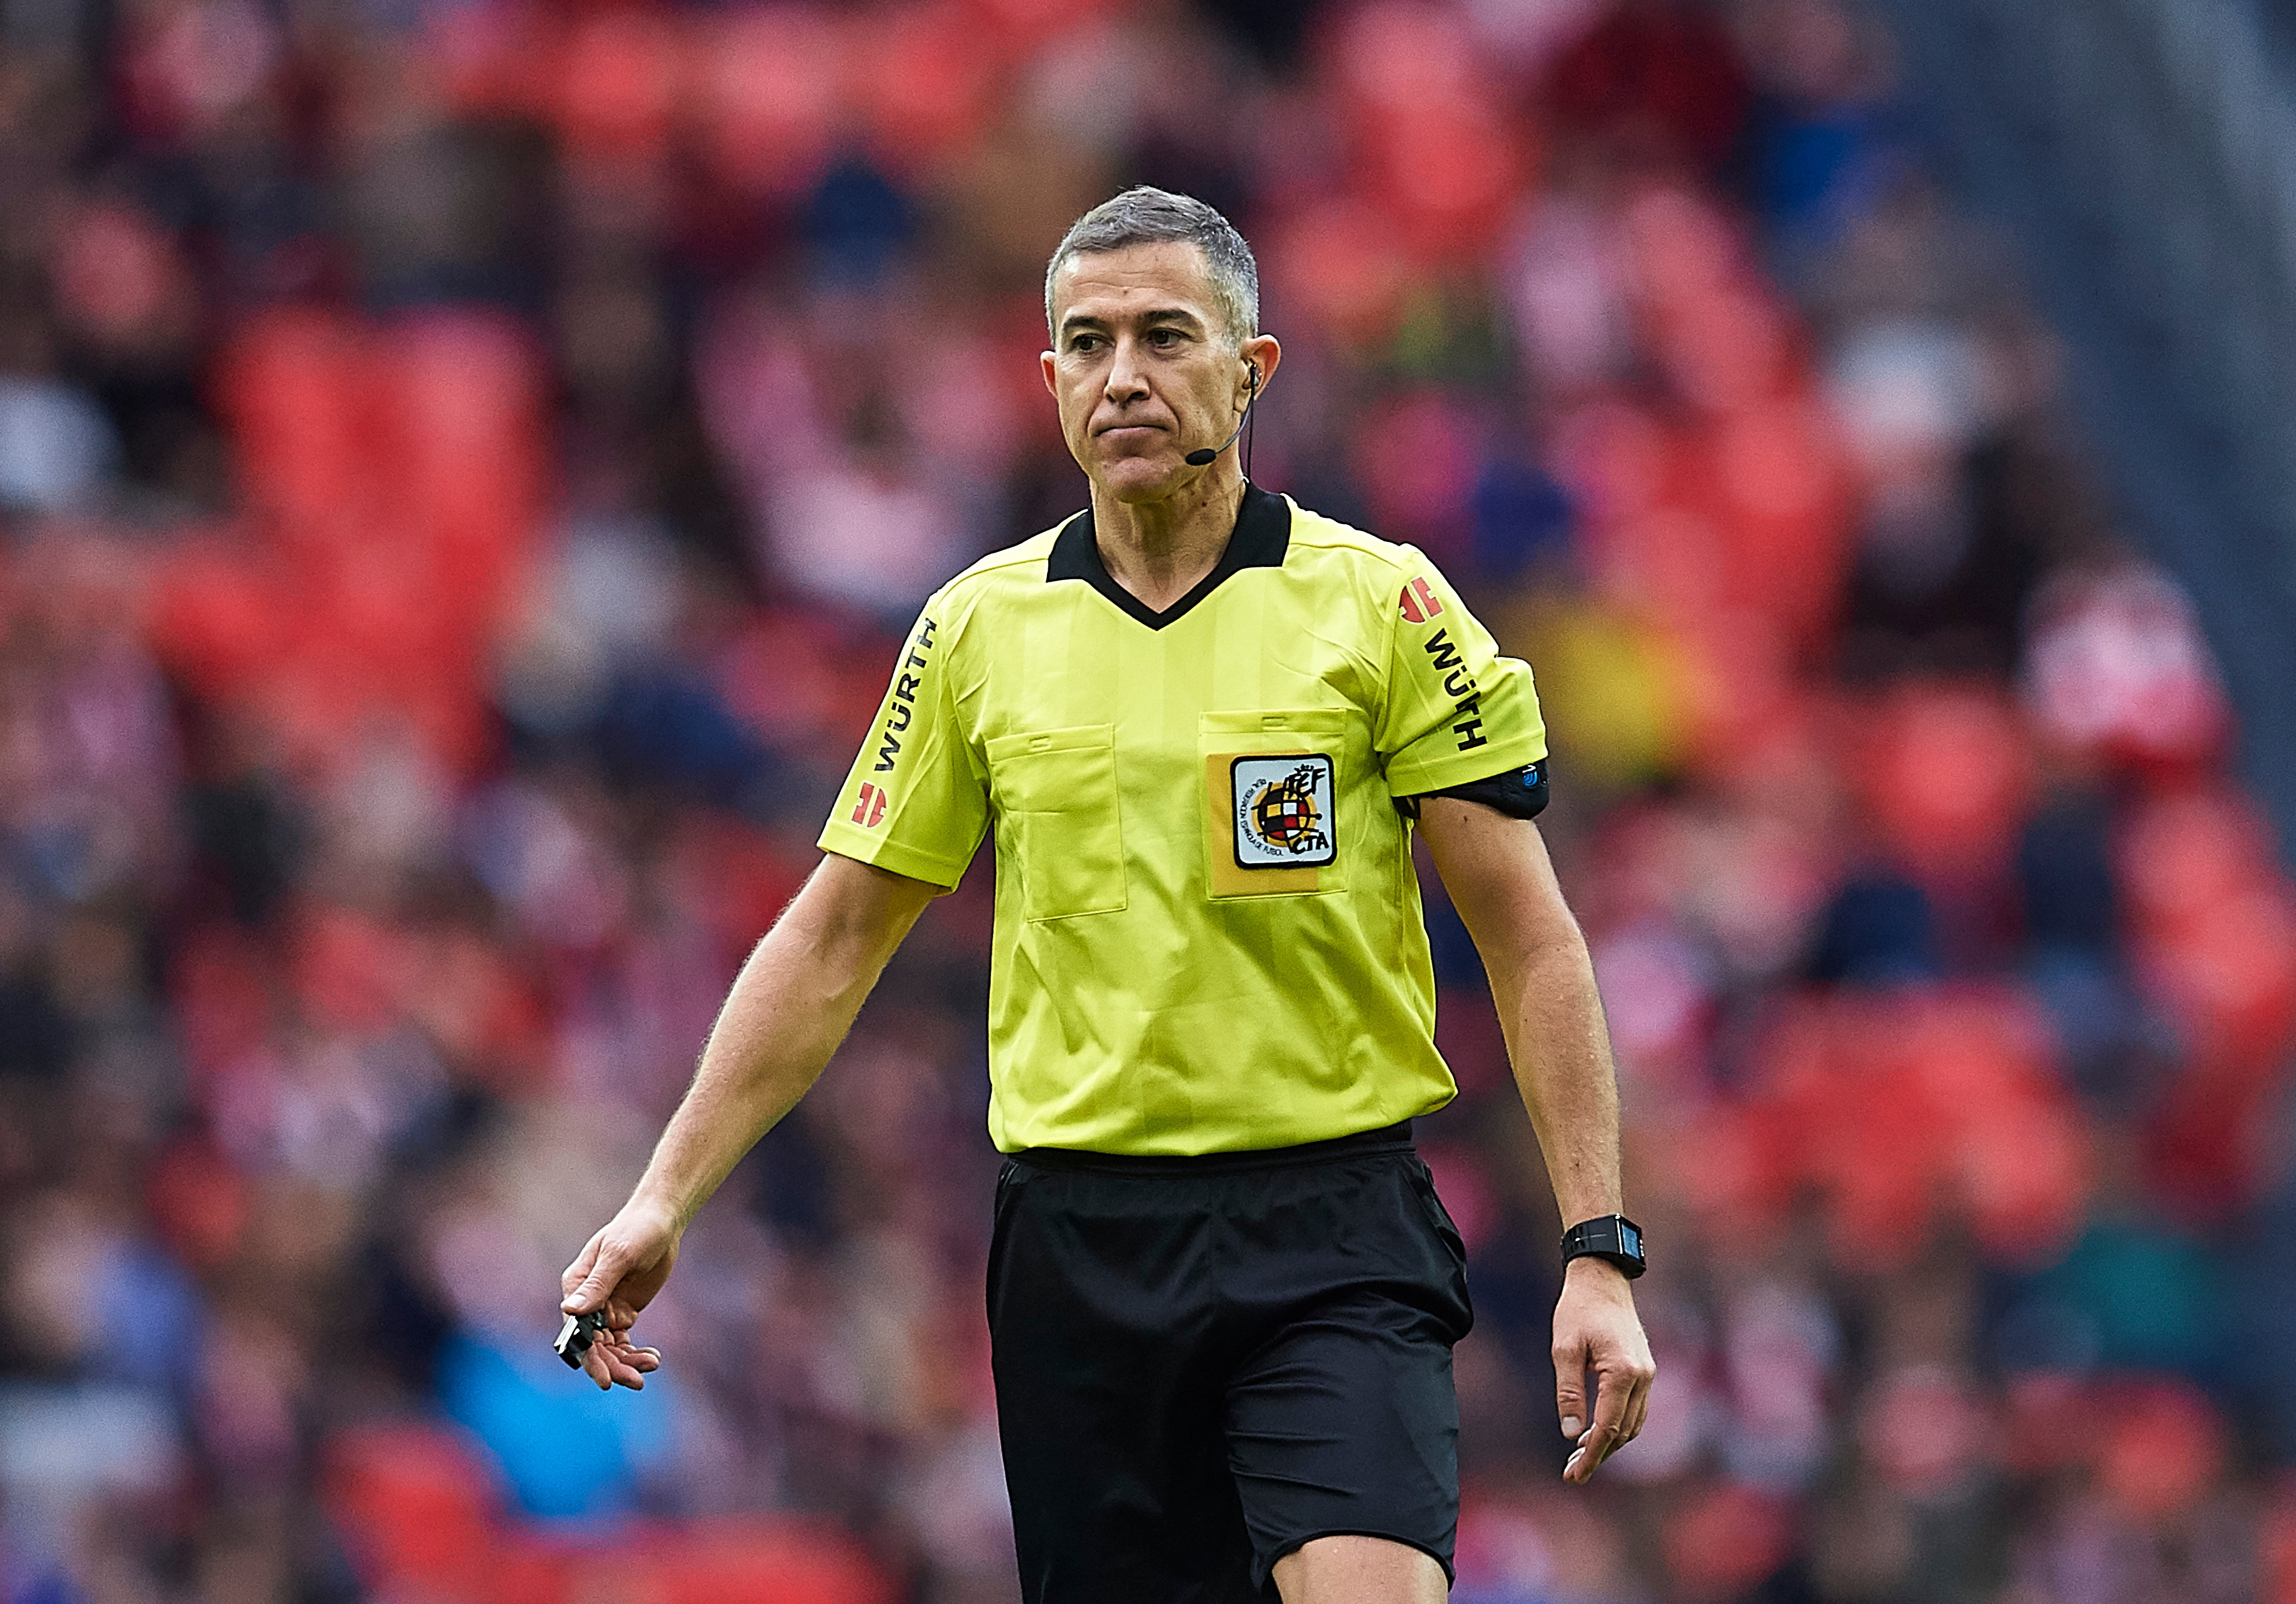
(1202, 1363)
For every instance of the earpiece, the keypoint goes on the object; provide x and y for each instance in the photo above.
(1203, 456)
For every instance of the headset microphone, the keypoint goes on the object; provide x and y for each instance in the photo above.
(1203, 456)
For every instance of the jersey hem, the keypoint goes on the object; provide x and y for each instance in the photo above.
(1245, 1149)
(1420, 780)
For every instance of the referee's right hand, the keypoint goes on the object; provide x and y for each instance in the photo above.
(619, 1270)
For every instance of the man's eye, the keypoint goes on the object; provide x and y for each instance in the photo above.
(1085, 342)
(1164, 337)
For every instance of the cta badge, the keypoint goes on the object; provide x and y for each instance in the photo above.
(1283, 812)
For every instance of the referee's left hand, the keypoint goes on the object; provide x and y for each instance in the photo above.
(1599, 1349)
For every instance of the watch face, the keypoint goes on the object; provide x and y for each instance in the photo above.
(1630, 1240)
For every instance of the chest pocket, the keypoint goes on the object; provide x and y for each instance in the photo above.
(1063, 830)
(1242, 753)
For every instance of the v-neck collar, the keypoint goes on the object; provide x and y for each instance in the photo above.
(1263, 533)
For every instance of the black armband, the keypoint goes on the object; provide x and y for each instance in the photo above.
(1519, 793)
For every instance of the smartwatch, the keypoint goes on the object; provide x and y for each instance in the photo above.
(1613, 1237)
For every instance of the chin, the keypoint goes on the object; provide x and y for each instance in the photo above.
(1133, 479)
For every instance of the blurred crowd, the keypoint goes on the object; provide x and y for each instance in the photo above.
(466, 467)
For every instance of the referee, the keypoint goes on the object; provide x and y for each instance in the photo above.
(1202, 722)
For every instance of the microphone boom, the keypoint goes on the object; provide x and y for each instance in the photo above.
(1205, 456)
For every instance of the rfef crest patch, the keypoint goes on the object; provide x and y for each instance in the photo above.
(1283, 811)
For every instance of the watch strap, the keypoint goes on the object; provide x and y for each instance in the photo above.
(1613, 1237)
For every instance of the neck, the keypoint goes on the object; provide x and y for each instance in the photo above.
(1160, 551)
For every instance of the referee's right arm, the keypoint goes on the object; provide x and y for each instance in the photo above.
(788, 1009)
(908, 820)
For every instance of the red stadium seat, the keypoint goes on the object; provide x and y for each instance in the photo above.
(1339, 263)
(1893, 1109)
(1447, 172)
(418, 1512)
(2163, 1449)
(459, 433)
(2186, 851)
(1725, 1540)
(2278, 1581)
(619, 76)
(771, 85)
(492, 60)
(1772, 477)
(930, 85)
(1945, 772)
(2213, 923)
(760, 1562)
(220, 617)
(292, 385)
(350, 970)
(1433, 150)
(735, 879)
(416, 1507)
(199, 1203)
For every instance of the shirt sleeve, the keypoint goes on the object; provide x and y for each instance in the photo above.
(1456, 710)
(916, 801)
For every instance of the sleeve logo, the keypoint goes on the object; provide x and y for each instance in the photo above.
(1283, 812)
(1419, 601)
(870, 810)
(1461, 687)
(901, 706)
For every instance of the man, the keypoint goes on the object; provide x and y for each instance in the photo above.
(1199, 720)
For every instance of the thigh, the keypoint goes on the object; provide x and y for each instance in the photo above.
(1109, 1399)
(1359, 1570)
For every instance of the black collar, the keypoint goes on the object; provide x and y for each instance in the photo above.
(1263, 533)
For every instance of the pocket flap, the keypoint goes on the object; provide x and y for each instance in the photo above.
(1274, 721)
(1077, 738)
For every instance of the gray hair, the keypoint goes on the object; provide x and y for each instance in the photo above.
(1151, 216)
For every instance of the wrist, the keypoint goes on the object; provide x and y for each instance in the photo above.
(1588, 1271)
(661, 1207)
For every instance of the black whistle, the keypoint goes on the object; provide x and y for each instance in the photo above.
(576, 1336)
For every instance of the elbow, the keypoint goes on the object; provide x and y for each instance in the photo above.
(1547, 933)
(1548, 958)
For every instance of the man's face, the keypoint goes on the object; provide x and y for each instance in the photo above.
(1142, 367)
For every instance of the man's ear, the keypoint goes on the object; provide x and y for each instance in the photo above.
(1051, 389)
(1260, 354)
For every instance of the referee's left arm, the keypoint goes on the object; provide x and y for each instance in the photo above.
(1496, 872)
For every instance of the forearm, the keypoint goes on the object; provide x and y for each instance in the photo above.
(1543, 983)
(1561, 1050)
(784, 1018)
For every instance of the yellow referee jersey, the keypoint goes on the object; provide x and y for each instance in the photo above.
(1208, 933)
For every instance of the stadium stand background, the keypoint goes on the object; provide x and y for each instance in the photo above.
(465, 470)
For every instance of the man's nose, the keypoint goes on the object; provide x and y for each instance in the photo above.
(1125, 379)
